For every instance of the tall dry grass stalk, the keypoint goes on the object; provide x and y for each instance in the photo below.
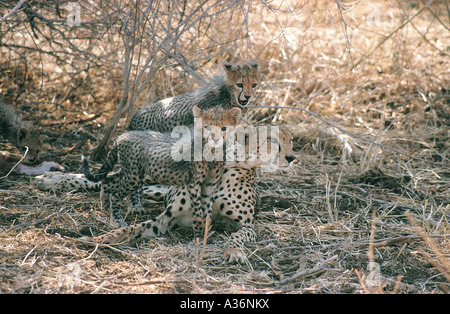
(440, 260)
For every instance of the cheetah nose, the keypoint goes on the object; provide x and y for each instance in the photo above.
(247, 97)
(290, 158)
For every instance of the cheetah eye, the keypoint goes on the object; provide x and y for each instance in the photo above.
(208, 128)
(224, 128)
(240, 85)
(254, 85)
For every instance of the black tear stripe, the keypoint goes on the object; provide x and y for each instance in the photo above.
(239, 97)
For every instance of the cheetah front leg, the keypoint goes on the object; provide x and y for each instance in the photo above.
(198, 223)
(115, 189)
(243, 214)
(207, 193)
(235, 246)
(177, 213)
(110, 201)
(135, 199)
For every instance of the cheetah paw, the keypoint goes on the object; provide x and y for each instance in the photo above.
(232, 255)
(49, 180)
(91, 240)
(102, 239)
(136, 209)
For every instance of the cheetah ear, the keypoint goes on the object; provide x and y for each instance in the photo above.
(228, 66)
(253, 64)
(196, 111)
(235, 114)
(22, 134)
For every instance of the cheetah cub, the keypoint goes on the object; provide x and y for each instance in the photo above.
(20, 133)
(233, 89)
(148, 157)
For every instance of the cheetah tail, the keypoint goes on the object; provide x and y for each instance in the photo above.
(107, 167)
(87, 172)
(102, 173)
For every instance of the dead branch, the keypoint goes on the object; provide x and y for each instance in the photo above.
(14, 10)
(144, 28)
(18, 163)
(440, 261)
(392, 241)
(310, 272)
(391, 34)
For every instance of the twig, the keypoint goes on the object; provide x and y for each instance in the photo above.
(436, 264)
(361, 282)
(343, 7)
(441, 262)
(28, 254)
(198, 258)
(372, 238)
(437, 17)
(14, 10)
(448, 9)
(309, 272)
(79, 121)
(392, 241)
(392, 34)
(18, 163)
(150, 282)
(205, 238)
(423, 35)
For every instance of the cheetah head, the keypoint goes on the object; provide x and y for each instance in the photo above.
(214, 124)
(31, 138)
(286, 152)
(210, 120)
(243, 78)
(253, 150)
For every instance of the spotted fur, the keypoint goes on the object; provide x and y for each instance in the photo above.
(234, 202)
(235, 89)
(63, 182)
(145, 157)
(236, 198)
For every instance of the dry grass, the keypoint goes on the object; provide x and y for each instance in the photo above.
(316, 229)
